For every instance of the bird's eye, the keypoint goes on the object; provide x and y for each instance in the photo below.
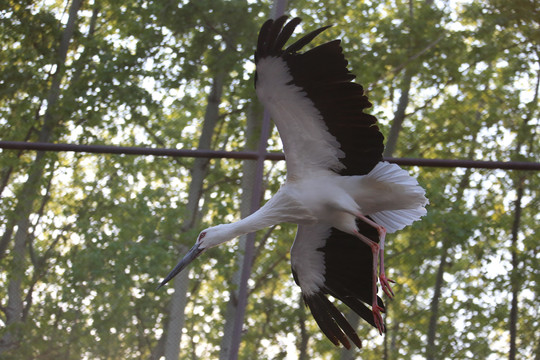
(202, 235)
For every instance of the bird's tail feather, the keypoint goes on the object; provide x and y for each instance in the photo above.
(411, 195)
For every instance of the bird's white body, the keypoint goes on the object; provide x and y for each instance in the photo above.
(338, 191)
(335, 201)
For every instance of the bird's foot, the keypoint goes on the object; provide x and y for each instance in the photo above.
(385, 285)
(377, 317)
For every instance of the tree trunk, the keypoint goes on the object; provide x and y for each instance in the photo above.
(393, 347)
(249, 168)
(30, 192)
(29, 189)
(304, 335)
(515, 282)
(431, 348)
(399, 115)
(390, 337)
(176, 318)
(5, 174)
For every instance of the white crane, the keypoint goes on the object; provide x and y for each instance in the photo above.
(341, 194)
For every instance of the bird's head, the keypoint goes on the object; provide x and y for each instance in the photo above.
(208, 238)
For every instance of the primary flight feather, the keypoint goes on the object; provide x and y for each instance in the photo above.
(341, 194)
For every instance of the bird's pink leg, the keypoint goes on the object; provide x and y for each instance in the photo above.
(375, 308)
(385, 282)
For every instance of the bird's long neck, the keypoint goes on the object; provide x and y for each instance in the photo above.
(280, 208)
(256, 221)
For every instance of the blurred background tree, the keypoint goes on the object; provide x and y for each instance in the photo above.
(85, 239)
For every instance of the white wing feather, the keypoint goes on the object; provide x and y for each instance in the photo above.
(307, 144)
(306, 260)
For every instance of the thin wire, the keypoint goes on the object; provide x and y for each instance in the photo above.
(246, 155)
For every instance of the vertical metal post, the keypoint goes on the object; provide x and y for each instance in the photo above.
(249, 252)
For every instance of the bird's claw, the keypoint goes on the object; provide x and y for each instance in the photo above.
(385, 285)
(377, 317)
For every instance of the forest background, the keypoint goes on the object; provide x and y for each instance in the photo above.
(85, 238)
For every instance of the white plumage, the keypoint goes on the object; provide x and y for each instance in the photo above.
(294, 115)
(308, 262)
(341, 194)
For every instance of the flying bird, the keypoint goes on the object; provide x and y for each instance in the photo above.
(338, 189)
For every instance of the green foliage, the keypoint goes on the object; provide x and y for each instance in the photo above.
(104, 229)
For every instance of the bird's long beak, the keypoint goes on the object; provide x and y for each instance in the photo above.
(192, 254)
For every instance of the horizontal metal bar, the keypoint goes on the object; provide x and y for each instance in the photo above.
(474, 164)
(130, 150)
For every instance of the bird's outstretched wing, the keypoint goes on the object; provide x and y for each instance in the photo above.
(317, 108)
(326, 261)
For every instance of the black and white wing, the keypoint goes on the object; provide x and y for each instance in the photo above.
(317, 108)
(326, 261)
(318, 111)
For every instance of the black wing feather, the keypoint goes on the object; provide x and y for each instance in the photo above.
(305, 40)
(349, 278)
(285, 34)
(349, 270)
(343, 324)
(275, 31)
(322, 73)
(323, 311)
(262, 40)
